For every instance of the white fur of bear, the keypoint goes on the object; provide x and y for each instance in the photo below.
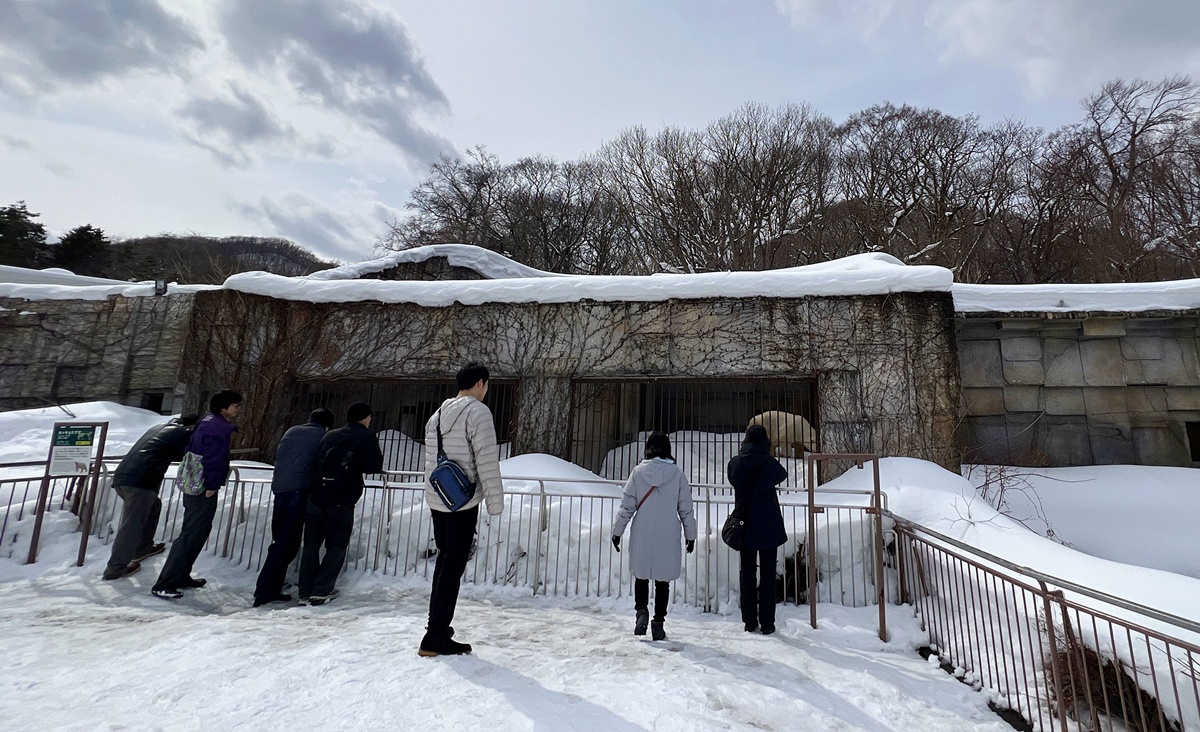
(790, 434)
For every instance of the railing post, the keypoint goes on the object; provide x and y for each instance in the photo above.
(39, 515)
(543, 528)
(711, 603)
(811, 543)
(237, 481)
(880, 590)
(1056, 673)
(89, 496)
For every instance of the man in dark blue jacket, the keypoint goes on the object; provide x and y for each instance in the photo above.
(211, 442)
(296, 471)
(137, 480)
(345, 454)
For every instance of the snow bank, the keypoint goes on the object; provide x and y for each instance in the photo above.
(25, 433)
(1134, 514)
(1130, 297)
(861, 274)
(948, 503)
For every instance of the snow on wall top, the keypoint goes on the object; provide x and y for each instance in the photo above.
(861, 274)
(1118, 297)
(93, 292)
(53, 276)
(485, 262)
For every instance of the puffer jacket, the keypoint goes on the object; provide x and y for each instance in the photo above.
(296, 459)
(469, 439)
(753, 473)
(147, 461)
(654, 546)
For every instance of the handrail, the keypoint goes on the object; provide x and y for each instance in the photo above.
(1180, 622)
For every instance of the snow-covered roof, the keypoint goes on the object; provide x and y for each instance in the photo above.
(861, 274)
(509, 281)
(1120, 297)
(487, 263)
(53, 276)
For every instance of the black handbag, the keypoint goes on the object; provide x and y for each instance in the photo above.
(733, 532)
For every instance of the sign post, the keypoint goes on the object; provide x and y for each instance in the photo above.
(71, 448)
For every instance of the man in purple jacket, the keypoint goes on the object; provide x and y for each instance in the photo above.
(211, 442)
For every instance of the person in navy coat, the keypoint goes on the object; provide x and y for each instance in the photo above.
(755, 475)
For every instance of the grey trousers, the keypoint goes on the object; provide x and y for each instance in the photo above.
(139, 522)
(198, 513)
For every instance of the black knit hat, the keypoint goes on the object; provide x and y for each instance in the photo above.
(358, 411)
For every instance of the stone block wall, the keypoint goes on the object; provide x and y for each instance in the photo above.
(121, 349)
(886, 366)
(1086, 390)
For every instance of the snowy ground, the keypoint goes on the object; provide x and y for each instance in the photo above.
(79, 653)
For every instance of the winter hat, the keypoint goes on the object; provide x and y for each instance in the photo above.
(358, 411)
(756, 434)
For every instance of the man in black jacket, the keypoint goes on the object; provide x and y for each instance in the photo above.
(295, 474)
(345, 455)
(137, 480)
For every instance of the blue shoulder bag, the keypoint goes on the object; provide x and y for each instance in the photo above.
(448, 478)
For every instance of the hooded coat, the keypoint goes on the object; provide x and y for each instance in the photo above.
(654, 546)
(754, 473)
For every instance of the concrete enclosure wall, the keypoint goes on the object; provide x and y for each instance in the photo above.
(886, 367)
(1080, 391)
(121, 349)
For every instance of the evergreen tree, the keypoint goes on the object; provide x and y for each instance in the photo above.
(22, 240)
(84, 250)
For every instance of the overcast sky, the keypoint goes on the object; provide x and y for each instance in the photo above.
(312, 119)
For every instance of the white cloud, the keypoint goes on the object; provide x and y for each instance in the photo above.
(1059, 49)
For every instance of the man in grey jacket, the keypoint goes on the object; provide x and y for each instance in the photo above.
(469, 439)
(291, 482)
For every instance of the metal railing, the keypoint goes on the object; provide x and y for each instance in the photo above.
(553, 538)
(1060, 655)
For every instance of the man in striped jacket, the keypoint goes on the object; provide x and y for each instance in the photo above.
(468, 437)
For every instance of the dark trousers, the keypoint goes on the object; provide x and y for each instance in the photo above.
(139, 521)
(328, 526)
(758, 586)
(662, 597)
(198, 513)
(453, 534)
(287, 529)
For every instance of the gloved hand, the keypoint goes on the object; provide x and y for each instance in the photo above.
(617, 543)
(691, 545)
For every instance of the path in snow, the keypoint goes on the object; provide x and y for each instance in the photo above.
(78, 653)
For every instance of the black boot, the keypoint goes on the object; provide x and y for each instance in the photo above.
(656, 631)
(643, 619)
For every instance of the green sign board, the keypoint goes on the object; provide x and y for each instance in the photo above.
(65, 435)
(71, 449)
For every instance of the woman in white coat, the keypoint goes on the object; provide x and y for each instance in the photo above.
(659, 500)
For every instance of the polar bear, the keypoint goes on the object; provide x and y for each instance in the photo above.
(790, 434)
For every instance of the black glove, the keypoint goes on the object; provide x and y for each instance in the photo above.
(617, 543)
(691, 545)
